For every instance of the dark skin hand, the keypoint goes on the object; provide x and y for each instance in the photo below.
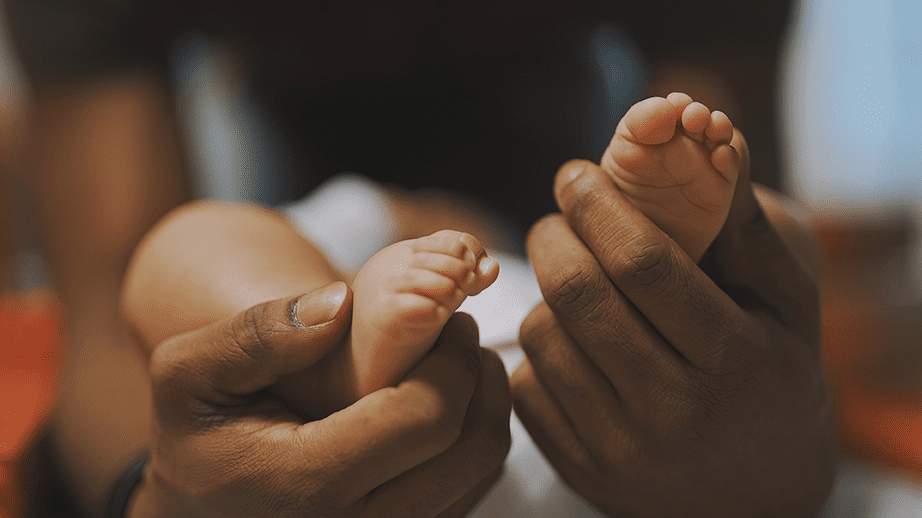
(658, 388)
(432, 446)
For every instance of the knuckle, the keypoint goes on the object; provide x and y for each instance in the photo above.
(443, 426)
(711, 403)
(161, 365)
(472, 367)
(498, 438)
(495, 442)
(575, 288)
(436, 421)
(313, 494)
(533, 329)
(739, 354)
(580, 195)
(162, 375)
(693, 414)
(169, 367)
(683, 423)
(569, 385)
(724, 353)
(462, 328)
(648, 266)
(250, 334)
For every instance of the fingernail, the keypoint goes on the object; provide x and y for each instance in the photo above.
(572, 174)
(567, 174)
(319, 306)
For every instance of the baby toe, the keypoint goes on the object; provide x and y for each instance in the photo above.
(719, 129)
(487, 273)
(680, 100)
(651, 121)
(727, 161)
(429, 284)
(450, 266)
(473, 245)
(695, 119)
(449, 242)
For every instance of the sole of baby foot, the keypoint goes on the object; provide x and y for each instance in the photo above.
(672, 159)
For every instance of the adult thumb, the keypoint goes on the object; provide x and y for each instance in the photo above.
(250, 351)
(753, 263)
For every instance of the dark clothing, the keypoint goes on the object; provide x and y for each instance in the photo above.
(493, 127)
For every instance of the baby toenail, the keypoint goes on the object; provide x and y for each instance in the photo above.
(485, 265)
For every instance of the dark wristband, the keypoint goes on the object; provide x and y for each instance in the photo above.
(125, 485)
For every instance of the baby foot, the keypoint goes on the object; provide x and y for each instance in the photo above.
(672, 158)
(404, 295)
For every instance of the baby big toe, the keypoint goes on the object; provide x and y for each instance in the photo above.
(680, 100)
(651, 121)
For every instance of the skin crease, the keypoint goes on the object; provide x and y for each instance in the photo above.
(656, 390)
(435, 442)
(670, 422)
(104, 412)
(657, 430)
(439, 436)
(623, 425)
(671, 158)
(405, 292)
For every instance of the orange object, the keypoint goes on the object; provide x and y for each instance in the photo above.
(872, 335)
(31, 350)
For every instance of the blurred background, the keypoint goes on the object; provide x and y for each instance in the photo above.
(835, 124)
(852, 152)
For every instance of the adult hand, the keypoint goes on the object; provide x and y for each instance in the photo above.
(658, 388)
(222, 447)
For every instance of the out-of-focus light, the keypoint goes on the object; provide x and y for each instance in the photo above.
(851, 107)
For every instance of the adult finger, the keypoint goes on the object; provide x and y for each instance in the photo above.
(550, 428)
(389, 432)
(221, 363)
(463, 506)
(339, 459)
(596, 315)
(584, 394)
(748, 259)
(693, 315)
(476, 455)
